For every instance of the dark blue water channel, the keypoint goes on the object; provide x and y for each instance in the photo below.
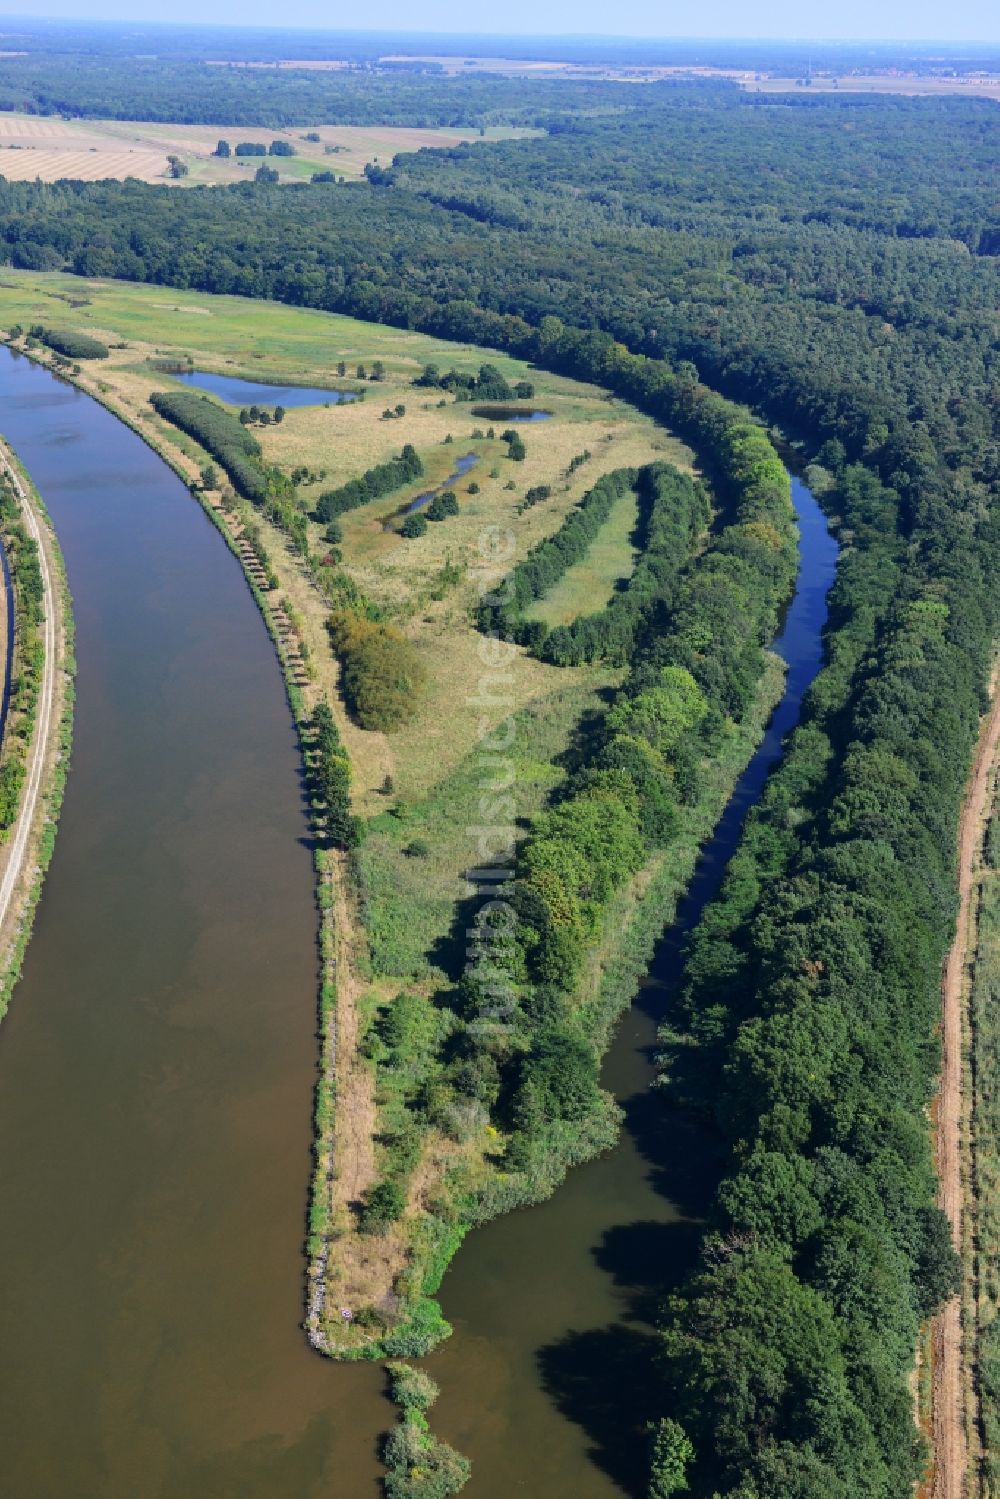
(462, 466)
(546, 1383)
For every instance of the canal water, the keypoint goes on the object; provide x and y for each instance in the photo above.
(157, 1061)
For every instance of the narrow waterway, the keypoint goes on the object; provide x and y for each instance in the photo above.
(157, 1062)
(546, 1383)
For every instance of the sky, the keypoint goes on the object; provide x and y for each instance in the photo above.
(906, 20)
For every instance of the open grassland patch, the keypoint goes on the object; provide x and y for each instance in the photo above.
(414, 857)
(589, 584)
(426, 586)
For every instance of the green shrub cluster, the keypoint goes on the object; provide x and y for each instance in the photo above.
(535, 496)
(371, 485)
(420, 1466)
(516, 450)
(414, 525)
(383, 674)
(220, 434)
(488, 385)
(443, 506)
(330, 779)
(70, 344)
(404, 1040)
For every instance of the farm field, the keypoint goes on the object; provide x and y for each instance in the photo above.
(92, 150)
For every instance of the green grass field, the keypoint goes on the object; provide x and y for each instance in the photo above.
(411, 898)
(271, 342)
(588, 585)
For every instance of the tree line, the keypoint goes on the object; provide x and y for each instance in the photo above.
(375, 482)
(673, 512)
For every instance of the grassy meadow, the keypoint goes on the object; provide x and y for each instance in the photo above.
(588, 584)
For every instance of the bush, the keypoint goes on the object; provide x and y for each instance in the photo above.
(71, 345)
(419, 1465)
(442, 506)
(382, 1207)
(219, 433)
(411, 1388)
(377, 481)
(383, 673)
(414, 525)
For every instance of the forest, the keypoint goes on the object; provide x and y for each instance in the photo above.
(833, 263)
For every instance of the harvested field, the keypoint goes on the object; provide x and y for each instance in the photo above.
(91, 150)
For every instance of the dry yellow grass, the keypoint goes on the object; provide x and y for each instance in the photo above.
(90, 150)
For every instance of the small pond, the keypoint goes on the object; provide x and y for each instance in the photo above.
(511, 413)
(236, 392)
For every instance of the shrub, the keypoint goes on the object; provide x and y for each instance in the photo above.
(411, 1388)
(71, 345)
(414, 525)
(383, 1206)
(383, 673)
(442, 506)
(219, 433)
(377, 481)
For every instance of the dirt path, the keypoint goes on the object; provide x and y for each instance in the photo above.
(45, 722)
(951, 1454)
(354, 1134)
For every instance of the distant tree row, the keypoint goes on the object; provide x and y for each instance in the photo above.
(255, 148)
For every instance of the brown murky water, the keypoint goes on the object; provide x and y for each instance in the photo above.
(157, 1061)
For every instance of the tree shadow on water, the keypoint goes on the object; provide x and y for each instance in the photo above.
(648, 1260)
(605, 1381)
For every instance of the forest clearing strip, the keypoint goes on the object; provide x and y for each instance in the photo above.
(950, 1439)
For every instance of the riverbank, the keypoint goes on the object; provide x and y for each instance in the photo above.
(25, 856)
(295, 612)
